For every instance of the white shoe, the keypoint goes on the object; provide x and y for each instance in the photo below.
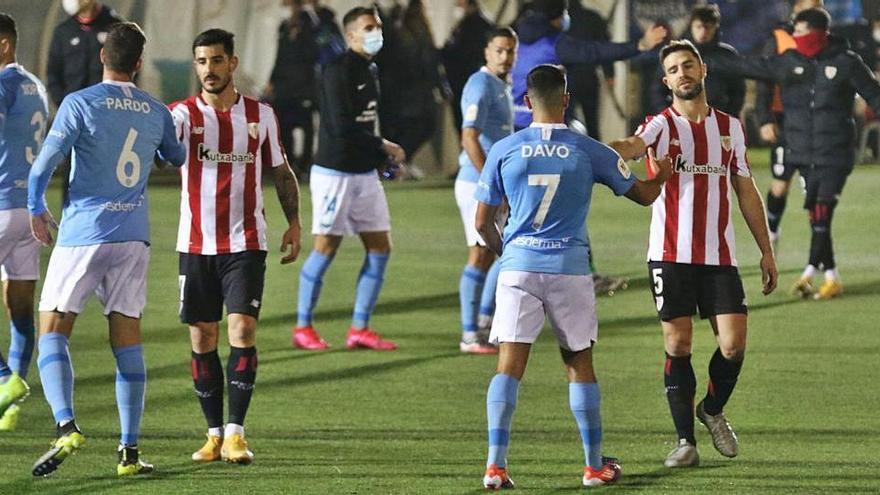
(684, 455)
(723, 436)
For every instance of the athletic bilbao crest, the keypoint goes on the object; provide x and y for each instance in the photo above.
(726, 143)
(830, 72)
(659, 302)
(254, 130)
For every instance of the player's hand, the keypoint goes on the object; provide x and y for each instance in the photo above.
(653, 37)
(394, 151)
(769, 133)
(769, 275)
(40, 225)
(291, 239)
(661, 168)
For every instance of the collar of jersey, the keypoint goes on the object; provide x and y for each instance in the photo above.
(548, 126)
(119, 83)
(487, 71)
(13, 65)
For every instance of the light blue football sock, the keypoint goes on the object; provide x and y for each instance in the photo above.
(21, 345)
(311, 277)
(469, 289)
(56, 373)
(500, 404)
(4, 368)
(584, 401)
(487, 299)
(131, 385)
(369, 284)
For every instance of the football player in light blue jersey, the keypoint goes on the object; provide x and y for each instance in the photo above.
(115, 131)
(546, 173)
(23, 114)
(487, 110)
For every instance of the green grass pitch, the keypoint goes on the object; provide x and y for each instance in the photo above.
(413, 421)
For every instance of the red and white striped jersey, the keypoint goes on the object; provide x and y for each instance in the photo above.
(691, 219)
(221, 202)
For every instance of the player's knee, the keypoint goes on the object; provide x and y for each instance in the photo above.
(735, 352)
(779, 188)
(242, 332)
(203, 336)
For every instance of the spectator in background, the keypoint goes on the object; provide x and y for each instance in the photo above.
(583, 80)
(74, 54)
(747, 24)
(848, 22)
(725, 92)
(411, 81)
(769, 113)
(307, 36)
(462, 55)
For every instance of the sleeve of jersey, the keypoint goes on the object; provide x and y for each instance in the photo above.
(180, 116)
(474, 105)
(740, 159)
(272, 151)
(489, 188)
(650, 130)
(171, 149)
(65, 130)
(610, 169)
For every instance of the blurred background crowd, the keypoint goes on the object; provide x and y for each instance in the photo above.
(431, 48)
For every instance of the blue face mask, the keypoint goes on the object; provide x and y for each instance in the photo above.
(373, 41)
(566, 22)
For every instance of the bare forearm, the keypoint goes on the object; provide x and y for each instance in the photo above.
(287, 188)
(470, 141)
(629, 148)
(492, 237)
(752, 207)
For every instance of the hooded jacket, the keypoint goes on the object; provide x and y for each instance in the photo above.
(818, 96)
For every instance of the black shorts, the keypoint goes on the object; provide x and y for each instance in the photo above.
(823, 183)
(207, 281)
(680, 289)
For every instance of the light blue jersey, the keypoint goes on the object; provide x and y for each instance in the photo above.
(547, 173)
(486, 105)
(24, 115)
(115, 131)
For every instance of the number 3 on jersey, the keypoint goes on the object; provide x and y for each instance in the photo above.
(551, 182)
(128, 156)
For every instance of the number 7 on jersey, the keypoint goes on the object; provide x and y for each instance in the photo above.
(551, 182)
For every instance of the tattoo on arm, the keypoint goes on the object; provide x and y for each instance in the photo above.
(287, 188)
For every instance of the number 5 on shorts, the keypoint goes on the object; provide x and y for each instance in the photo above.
(658, 286)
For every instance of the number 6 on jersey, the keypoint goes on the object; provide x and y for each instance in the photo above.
(129, 156)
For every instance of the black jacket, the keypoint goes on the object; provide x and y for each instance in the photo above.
(818, 96)
(74, 54)
(462, 55)
(294, 76)
(349, 140)
(725, 91)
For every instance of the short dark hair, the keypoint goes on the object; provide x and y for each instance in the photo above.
(355, 14)
(502, 32)
(550, 8)
(678, 46)
(7, 28)
(815, 18)
(216, 36)
(546, 82)
(707, 14)
(124, 47)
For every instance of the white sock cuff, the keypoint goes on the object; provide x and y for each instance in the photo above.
(233, 429)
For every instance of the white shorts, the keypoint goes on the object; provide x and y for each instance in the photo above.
(19, 251)
(115, 272)
(467, 206)
(522, 300)
(347, 204)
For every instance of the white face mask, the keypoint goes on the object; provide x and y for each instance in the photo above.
(71, 6)
(876, 35)
(457, 13)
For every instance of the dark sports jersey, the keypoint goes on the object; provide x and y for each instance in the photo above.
(349, 134)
